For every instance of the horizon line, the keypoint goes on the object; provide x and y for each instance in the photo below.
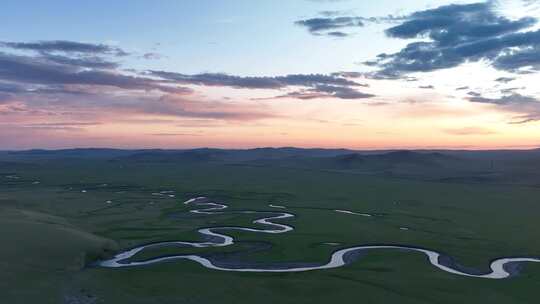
(277, 148)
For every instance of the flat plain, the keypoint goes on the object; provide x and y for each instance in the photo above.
(62, 211)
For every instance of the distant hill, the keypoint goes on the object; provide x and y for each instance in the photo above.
(398, 163)
(277, 153)
(492, 166)
(230, 155)
(68, 153)
(395, 157)
(197, 155)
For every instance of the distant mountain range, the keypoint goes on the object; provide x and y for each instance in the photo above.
(214, 154)
(493, 166)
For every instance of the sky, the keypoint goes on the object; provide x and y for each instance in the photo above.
(407, 74)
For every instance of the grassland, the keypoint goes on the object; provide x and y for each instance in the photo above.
(61, 214)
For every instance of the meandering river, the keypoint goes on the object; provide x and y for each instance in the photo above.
(215, 237)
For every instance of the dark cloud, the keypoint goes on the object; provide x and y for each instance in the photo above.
(66, 79)
(8, 91)
(462, 88)
(335, 85)
(384, 19)
(429, 87)
(71, 53)
(458, 34)
(475, 94)
(514, 98)
(35, 70)
(505, 79)
(350, 75)
(337, 34)
(341, 92)
(81, 61)
(276, 82)
(519, 120)
(104, 106)
(11, 88)
(451, 24)
(65, 46)
(527, 108)
(332, 23)
(528, 55)
(511, 90)
(329, 25)
(326, 91)
(152, 56)
(79, 81)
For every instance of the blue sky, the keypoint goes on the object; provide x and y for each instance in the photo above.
(240, 37)
(245, 73)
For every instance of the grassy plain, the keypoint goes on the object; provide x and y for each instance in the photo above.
(56, 220)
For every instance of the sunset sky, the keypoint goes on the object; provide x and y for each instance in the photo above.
(381, 74)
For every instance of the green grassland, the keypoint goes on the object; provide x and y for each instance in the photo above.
(56, 220)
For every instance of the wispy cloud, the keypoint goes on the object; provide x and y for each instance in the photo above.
(465, 131)
(247, 82)
(526, 108)
(66, 47)
(329, 25)
(174, 134)
(152, 56)
(504, 100)
(42, 71)
(61, 126)
(326, 91)
(505, 79)
(334, 23)
(65, 124)
(336, 85)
